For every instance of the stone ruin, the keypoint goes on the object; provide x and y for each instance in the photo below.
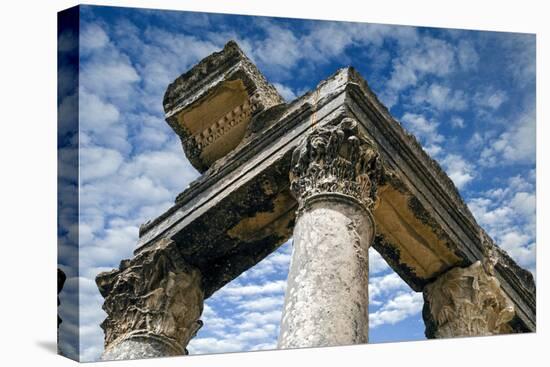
(335, 171)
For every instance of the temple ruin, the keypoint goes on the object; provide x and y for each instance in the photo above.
(335, 171)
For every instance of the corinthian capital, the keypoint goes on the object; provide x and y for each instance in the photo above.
(336, 159)
(468, 302)
(154, 296)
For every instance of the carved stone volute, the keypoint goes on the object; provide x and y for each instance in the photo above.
(155, 295)
(336, 159)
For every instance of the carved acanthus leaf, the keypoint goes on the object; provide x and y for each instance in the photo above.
(336, 159)
(156, 294)
(467, 302)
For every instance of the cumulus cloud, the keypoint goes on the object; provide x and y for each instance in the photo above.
(109, 73)
(430, 56)
(92, 37)
(440, 97)
(422, 128)
(516, 145)
(508, 214)
(285, 91)
(520, 51)
(383, 285)
(468, 57)
(376, 263)
(280, 48)
(99, 162)
(457, 122)
(458, 169)
(397, 309)
(132, 164)
(490, 98)
(245, 314)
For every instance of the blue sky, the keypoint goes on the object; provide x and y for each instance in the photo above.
(468, 96)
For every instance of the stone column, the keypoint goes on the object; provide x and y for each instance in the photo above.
(333, 178)
(153, 304)
(468, 301)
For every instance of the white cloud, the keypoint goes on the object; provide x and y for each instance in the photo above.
(460, 171)
(517, 144)
(235, 289)
(524, 203)
(99, 162)
(508, 215)
(260, 318)
(214, 345)
(165, 168)
(433, 150)
(287, 93)
(376, 263)
(109, 73)
(100, 123)
(397, 309)
(245, 314)
(137, 166)
(521, 52)
(422, 128)
(96, 115)
(163, 55)
(467, 55)
(430, 56)
(105, 70)
(264, 303)
(440, 97)
(490, 98)
(384, 285)
(281, 48)
(518, 246)
(457, 122)
(476, 141)
(92, 38)
(67, 41)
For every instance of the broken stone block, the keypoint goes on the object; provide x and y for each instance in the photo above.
(211, 106)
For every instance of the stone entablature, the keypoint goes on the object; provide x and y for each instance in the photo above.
(337, 155)
(235, 118)
(423, 227)
(197, 103)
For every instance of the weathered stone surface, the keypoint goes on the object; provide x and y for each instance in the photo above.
(153, 304)
(335, 159)
(332, 176)
(468, 302)
(247, 189)
(211, 105)
(423, 227)
(229, 219)
(326, 301)
(435, 206)
(139, 347)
